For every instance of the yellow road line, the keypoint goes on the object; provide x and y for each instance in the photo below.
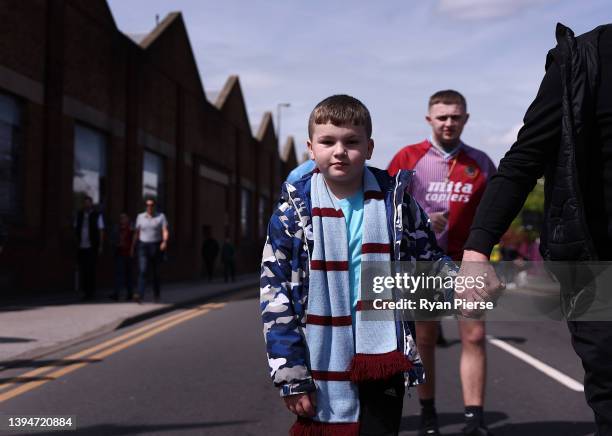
(95, 348)
(145, 333)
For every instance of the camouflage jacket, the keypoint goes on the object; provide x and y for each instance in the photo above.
(284, 275)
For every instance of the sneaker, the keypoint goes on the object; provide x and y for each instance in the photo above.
(429, 426)
(136, 298)
(478, 431)
(430, 431)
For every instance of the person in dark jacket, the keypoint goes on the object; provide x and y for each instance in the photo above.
(228, 260)
(3, 235)
(122, 237)
(567, 137)
(210, 250)
(89, 232)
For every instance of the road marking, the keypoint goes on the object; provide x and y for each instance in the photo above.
(115, 345)
(553, 373)
(95, 348)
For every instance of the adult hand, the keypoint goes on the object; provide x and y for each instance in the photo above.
(163, 246)
(100, 249)
(477, 266)
(439, 220)
(302, 404)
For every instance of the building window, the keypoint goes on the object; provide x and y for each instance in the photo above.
(262, 216)
(89, 165)
(153, 178)
(245, 213)
(10, 152)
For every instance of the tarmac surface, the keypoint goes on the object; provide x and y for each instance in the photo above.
(202, 370)
(35, 326)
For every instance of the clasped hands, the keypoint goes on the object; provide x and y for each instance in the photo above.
(475, 264)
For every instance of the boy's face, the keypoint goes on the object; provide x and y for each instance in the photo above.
(447, 122)
(340, 151)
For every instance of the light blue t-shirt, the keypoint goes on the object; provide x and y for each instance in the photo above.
(352, 208)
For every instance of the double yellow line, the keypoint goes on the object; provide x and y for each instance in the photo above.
(13, 387)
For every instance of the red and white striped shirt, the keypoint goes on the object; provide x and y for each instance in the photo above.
(447, 182)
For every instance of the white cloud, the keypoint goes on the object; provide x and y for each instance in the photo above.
(506, 138)
(484, 9)
(497, 145)
(391, 55)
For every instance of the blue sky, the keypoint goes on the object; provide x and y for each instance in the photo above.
(392, 55)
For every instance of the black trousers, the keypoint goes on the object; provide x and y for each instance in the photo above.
(229, 271)
(381, 404)
(87, 258)
(209, 268)
(592, 341)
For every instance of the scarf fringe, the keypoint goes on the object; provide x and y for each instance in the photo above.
(369, 367)
(309, 427)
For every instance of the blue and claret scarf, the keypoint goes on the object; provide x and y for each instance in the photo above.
(339, 358)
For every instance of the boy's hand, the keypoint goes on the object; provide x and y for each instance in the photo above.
(302, 404)
(439, 220)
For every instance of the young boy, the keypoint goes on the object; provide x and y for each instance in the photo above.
(339, 375)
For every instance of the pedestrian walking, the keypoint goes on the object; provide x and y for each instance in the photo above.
(566, 136)
(338, 373)
(122, 237)
(449, 181)
(89, 232)
(3, 235)
(228, 259)
(210, 250)
(151, 234)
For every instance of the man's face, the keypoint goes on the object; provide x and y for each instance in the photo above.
(447, 122)
(150, 205)
(87, 204)
(340, 151)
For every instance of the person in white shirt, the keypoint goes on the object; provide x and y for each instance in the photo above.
(152, 237)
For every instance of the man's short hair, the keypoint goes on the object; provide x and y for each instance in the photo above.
(340, 110)
(447, 96)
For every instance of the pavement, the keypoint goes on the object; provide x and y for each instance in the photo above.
(36, 326)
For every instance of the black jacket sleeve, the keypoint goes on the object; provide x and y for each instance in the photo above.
(521, 167)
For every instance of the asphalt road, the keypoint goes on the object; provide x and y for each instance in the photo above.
(203, 372)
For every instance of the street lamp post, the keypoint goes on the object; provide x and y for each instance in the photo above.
(278, 120)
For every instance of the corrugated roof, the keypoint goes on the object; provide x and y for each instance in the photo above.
(288, 148)
(137, 37)
(266, 122)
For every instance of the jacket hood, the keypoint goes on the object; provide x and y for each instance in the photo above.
(386, 182)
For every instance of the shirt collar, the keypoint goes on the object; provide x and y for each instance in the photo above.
(445, 154)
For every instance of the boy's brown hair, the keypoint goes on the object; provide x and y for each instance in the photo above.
(340, 110)
(447, 96)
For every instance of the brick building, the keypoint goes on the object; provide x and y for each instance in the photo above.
(85, 109)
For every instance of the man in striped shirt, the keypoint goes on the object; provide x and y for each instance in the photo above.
(449, 182)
